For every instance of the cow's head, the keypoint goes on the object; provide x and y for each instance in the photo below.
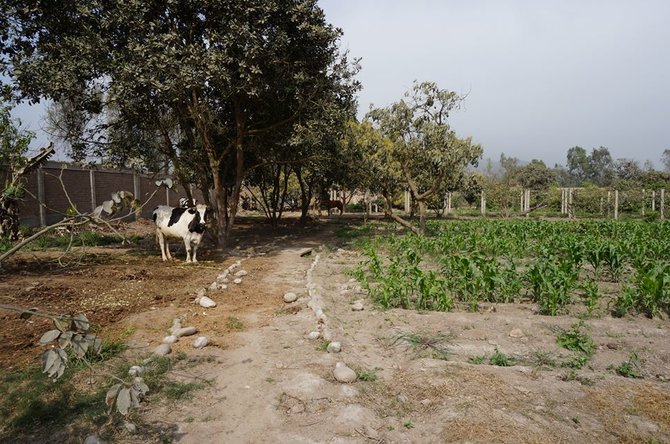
(201, 218)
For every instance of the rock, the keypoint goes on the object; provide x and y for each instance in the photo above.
(200, 342)
(223, 277)
(132, 428)
(401, 398)
(357, 306)
(170, 339)
(214, 286)
(237, 281)
(313, 335)
(186, 331)
(223, 286)
(200, 292)
(162, 350)
(93, 439)
(516, 333)
(207, 302)
(305, 252)
(136, 370)
(343, 373)
(290, 297)
(334, 347)
(241, 273)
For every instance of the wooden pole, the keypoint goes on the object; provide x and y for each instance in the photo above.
(483, 203)
(41, 197)
(644, 195)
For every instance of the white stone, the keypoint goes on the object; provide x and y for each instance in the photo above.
(241, 273)
(200, 292)
(132, 428)
(237, 281)
(162, 350)
(334, 347)
(186, 331)
(136, 370)
(516, 333)
(207, 302)
(170, 339)
(200, 342)
(357, 306)
(314, 335)
(290, 297)
(214, 286)
(93, 439)
(343, 373)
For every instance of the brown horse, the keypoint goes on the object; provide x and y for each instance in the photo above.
(330, 204)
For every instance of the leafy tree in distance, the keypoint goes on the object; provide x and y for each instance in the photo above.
(535, 175)
(665, 159)
(420, 150)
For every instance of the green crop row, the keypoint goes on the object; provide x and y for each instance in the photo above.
(552, 263)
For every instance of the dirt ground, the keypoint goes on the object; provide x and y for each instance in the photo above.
(268, 383)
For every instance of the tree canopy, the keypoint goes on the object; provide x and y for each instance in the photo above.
(210, 84)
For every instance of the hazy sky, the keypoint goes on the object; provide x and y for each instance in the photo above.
(541, 76)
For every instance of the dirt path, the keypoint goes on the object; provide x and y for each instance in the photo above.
(270, 384)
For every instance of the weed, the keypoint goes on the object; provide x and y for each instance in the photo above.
(421, 342)
(629, 368)
(367, 375)
(501, 360)
(322, 346)
(572, 375)
(576, 340)
(541, 360)
(180, 390)
(477, 360)
(232, 323)
(408, 424)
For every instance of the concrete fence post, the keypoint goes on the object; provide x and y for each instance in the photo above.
(91, 181)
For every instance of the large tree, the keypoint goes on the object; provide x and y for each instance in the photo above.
(206, 80)
(423, 152)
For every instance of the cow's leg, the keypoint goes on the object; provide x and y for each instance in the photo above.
(162, 244)
(187, 244)
(195, 249)
(167, 250)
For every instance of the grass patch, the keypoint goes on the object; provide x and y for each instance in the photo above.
(232, 323)
(543, 360)
(180, 390)
(426, 344)
(501, 359)
(30, 401)
(84, 238)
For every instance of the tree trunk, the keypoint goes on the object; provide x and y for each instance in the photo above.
(388, 211)
(422, 216)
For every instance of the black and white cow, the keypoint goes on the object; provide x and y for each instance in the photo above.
(186, 223)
